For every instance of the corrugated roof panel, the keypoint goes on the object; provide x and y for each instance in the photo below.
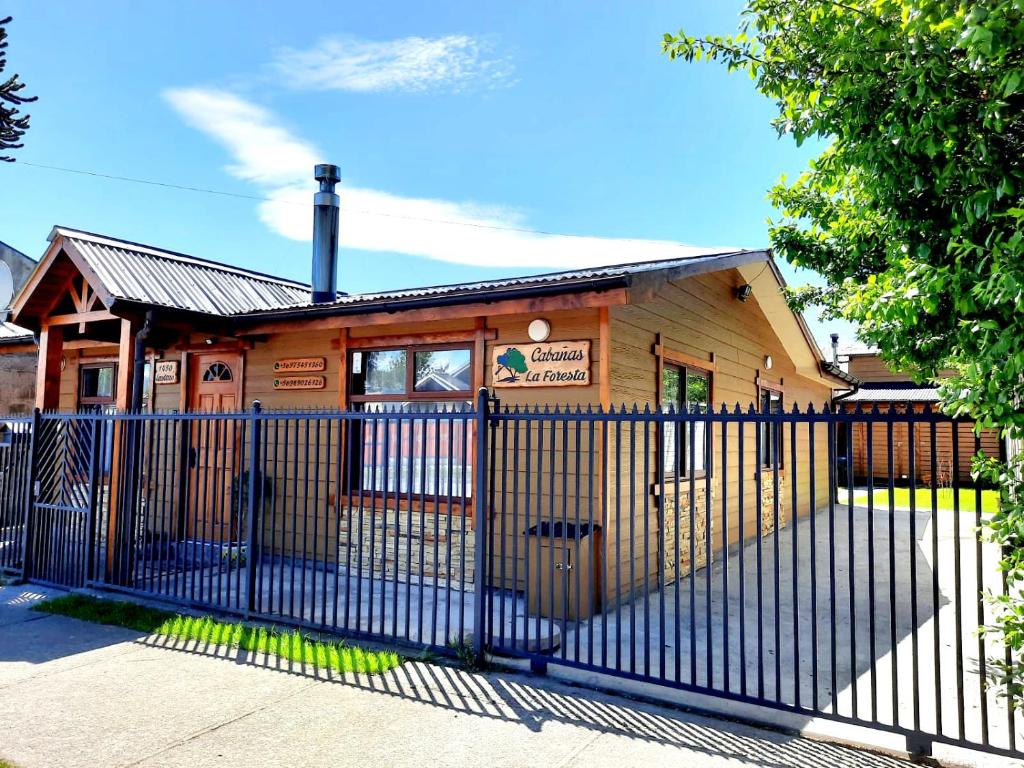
(616, 270)
(140, 273)
(893, 394)
(166, 279)
(9, 332)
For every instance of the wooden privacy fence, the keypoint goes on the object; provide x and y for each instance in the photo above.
(727, 553)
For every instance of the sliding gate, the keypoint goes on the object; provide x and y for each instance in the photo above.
(749, 557)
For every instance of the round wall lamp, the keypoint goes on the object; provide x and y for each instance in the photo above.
(768, 362)
(539, 329)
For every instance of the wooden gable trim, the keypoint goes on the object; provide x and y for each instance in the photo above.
(35, 278)
(93, 287)
(77, 318)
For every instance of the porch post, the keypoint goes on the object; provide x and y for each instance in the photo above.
(51, 348)
(122, 480)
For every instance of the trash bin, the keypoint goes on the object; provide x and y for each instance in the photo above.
(566, 586)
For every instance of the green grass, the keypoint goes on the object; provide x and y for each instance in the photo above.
(291, 645)
(923, 498)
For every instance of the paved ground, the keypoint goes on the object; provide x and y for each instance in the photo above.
(78, 694)
(899, 597)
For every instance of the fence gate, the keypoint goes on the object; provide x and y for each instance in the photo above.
(59, 540)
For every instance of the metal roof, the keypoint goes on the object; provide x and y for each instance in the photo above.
(140, 273)
(144, 274)
(900, 392)
(14, 334)
(566, 278)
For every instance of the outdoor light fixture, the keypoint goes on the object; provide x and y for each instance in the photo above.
(744, 291)
(768, 362)
(539, 329)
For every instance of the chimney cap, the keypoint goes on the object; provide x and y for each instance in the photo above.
(327, 172)
(835, 338)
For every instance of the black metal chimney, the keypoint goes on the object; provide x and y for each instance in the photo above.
(835, 348)
(325, 235)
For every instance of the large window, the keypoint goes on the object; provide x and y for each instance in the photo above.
(425, 456)
(771, 432)
(685, 443)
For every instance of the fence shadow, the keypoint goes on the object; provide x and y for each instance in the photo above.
(526, 701)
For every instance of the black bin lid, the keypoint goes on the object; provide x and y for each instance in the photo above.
(562, 530)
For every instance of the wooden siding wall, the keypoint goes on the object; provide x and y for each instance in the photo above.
(259, 375)
(700, 317)
(871, 368)
(527, 491)
(990, 445)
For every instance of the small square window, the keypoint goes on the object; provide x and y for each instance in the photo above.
(96, 383)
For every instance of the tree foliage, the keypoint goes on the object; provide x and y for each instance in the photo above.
(13, 124)
(913, 212)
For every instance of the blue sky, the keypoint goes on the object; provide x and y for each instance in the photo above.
(465, 132)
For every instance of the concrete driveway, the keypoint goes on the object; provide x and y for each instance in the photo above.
(79, 694)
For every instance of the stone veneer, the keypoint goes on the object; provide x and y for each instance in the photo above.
(400, 538)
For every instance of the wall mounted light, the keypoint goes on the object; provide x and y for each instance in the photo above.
(744, 291)
(539, 329)
(768, 362)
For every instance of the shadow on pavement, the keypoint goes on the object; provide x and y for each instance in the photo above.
(517, 698)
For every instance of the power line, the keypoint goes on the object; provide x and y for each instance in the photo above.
(263, 199)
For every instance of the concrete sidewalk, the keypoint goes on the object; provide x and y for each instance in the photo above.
(79, 694)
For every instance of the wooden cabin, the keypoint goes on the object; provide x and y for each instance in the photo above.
(886, 389)
(123, 325)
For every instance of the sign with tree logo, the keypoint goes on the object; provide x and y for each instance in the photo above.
(550, 364)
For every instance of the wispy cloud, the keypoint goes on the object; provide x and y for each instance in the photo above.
(452, 62)
(266, 153)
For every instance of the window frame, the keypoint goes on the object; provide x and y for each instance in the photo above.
(770, 388)
(95, 365)
(684, 362)
(455, 504)
(410, 393)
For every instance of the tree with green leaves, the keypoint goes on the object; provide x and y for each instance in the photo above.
(12, 123)
(913, 212)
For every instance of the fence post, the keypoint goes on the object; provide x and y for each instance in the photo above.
(95, 472)
(255, 486)
(30, 495)
(480, 510)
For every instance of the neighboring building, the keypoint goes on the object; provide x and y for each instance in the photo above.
(887, 389)
(686, 330)
(17, 345)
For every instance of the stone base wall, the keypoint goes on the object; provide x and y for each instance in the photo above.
(767, 503)
(677, 562)
(394, 541)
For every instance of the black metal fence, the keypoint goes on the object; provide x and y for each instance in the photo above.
(828, 564)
